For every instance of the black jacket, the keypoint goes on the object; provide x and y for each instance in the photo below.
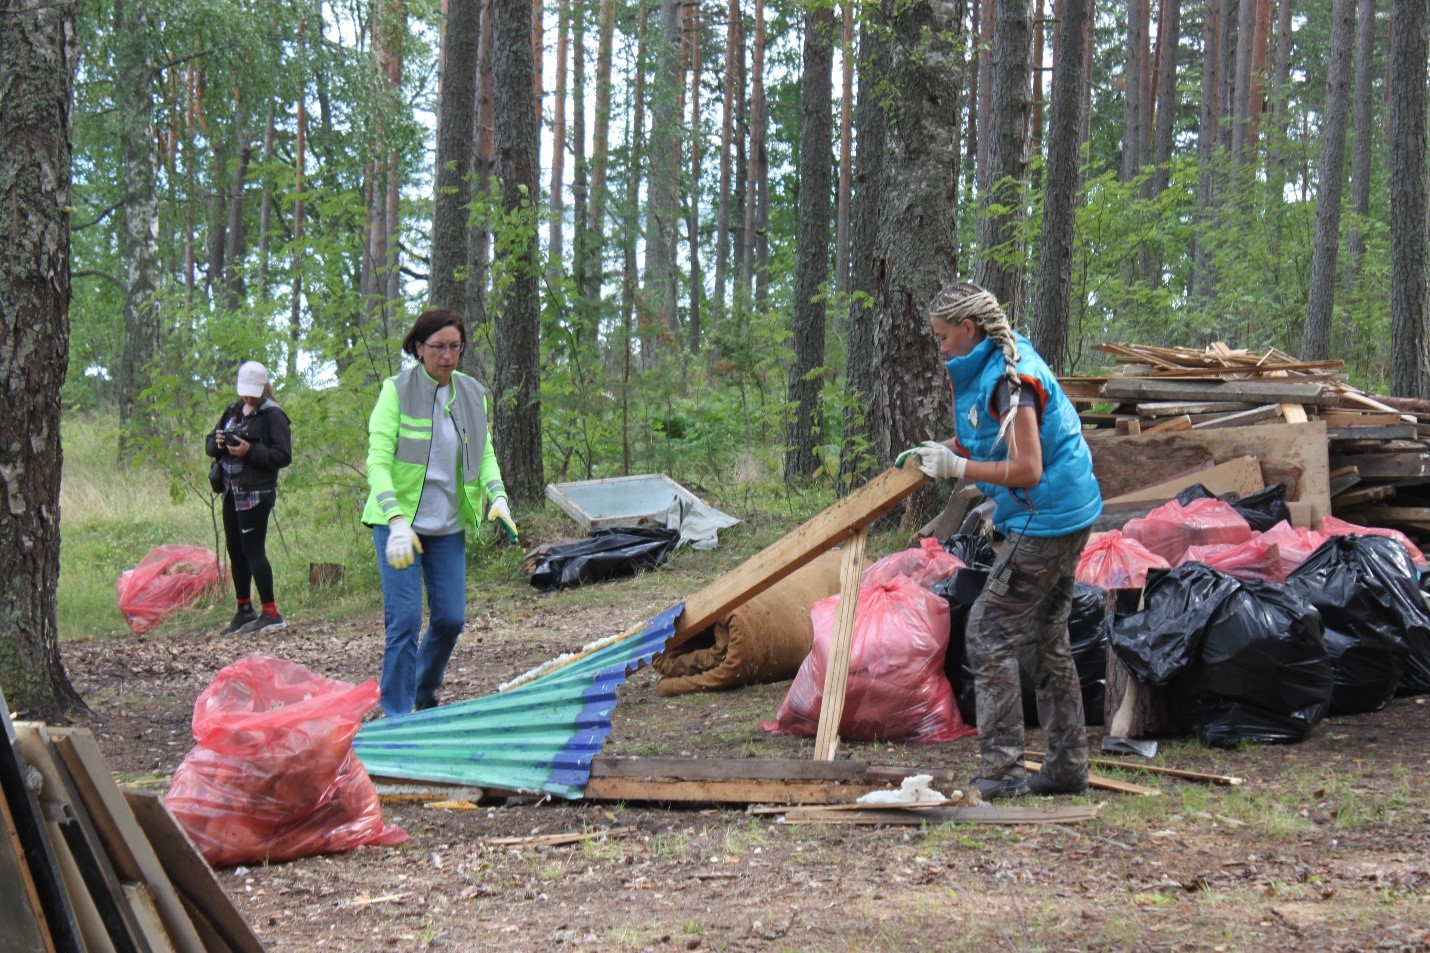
(270, 443)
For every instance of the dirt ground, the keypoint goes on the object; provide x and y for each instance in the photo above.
(1325, 848)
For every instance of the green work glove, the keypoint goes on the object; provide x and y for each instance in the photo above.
(911, 452)
(500, 514)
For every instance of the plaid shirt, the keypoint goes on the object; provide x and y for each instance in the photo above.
(242, 499)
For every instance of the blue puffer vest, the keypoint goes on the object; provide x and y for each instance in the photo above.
(1067, 498)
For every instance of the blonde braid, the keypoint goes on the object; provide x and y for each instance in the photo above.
(963, 300)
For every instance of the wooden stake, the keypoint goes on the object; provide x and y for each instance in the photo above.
(836, 676)
(1225, 779)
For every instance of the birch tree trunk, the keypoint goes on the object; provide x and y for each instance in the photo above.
(36, 99)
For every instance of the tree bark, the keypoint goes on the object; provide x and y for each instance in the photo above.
(728, 109)
(233, 283)
(1169, 26)
(139, 216)
(1364, 136)
(905, 219)
(811, 269)
(1134, 91)
(757, 211)
(663, 207)
(36, 99)
(1000, 250)
(696, 281)
(846, 148)
(476, 360)
(516, 401)
(452, 177)
(1051, 304)
(1321, 298)
(1405, 128)
(265, 203)
(555, 225)
(600, 155)
(1201, 283)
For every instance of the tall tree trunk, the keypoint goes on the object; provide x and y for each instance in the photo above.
(1321, 298)
(600, 152)
(1169, 27)
(1201, 283)
(1227, 57)
(757, 215)
(1035, 125)
(476, 360)
(300, 157)
(811, 267)
(986, 22)
(1405, 168)
(846, 148)
(36, 99)
(1134, 92)
(217, 213)
(727, 134)
(1364, 136)
(664, 205)
(914, 249)
(1280, 99)
(999, 267)
(558, 145)
(1241, 96)
(139, 215)
(582, 264)
(452, 178)
(631, 232)
(696, 279)
(234, 252)
(516, 403)
(265, 206)
(1051, 306)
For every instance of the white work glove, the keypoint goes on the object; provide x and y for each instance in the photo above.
(939, 462)
(500, 514)
(402, 543)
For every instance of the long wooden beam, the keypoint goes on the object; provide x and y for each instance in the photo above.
(835, 525)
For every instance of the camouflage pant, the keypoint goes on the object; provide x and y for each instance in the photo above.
(1022, 618)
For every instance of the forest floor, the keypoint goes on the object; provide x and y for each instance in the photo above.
(1326, 847)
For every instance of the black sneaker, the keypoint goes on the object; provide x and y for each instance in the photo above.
(241, 618)
(1040, 783)
(264, 623)
(996, 789)
(424, 705)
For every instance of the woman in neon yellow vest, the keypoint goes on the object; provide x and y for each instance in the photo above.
(432, 472)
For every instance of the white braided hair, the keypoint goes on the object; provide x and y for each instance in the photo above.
(963, 300)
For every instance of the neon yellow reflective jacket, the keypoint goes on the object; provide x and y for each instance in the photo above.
(399, 439)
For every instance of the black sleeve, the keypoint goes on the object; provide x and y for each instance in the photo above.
(276, 450)
(1026, 398)
(210, 446)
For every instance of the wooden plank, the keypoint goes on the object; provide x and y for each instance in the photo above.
(558, 840)
(1240, 475)
(190, 874)
(1293, 454)
(983, 814)
(1386, 466)
(724, 769)
(1400, 514)
(1349, 418)
(1130, 426)
(836, 674)
(767, 567)
(1104, 783)
(732, 791)
(141, 898)
(22, 929)
(1221, 779)
(1342, 480)
(1386, 432)
(1255, 392)
(123, 838)
(1255, 415)
(1170, 425)
(961, 499)
(1178, 408)
(61, 928)
(69, 821)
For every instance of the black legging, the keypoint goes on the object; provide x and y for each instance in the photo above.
(246, 534)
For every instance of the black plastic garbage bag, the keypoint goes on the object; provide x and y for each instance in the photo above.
(1089, 627)
(1262, 509)
(1245, 660)
(1159, 642)
(606, 554)
(1364, 588)
(973, 548)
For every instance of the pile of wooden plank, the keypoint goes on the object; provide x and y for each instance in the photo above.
(1376, 451)
(86, 867)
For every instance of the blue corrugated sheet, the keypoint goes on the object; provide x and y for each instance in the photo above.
(538, 737)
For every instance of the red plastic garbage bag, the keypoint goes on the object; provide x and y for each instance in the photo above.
(1113, 561)
(274, 776)
(168, 578)
(1172, 527)
(1295, 543)
(1333, 526)
(1254, 559)
(927, 564)
(897, 689)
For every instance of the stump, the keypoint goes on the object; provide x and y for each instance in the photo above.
(323, 575)
(1133, 709)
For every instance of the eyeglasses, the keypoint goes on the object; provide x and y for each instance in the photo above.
(444, 348)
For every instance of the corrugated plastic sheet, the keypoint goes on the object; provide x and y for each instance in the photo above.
(539, 736)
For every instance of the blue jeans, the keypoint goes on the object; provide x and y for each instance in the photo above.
(411, 672)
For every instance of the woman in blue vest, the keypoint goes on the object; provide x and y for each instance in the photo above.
(1019, 438)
